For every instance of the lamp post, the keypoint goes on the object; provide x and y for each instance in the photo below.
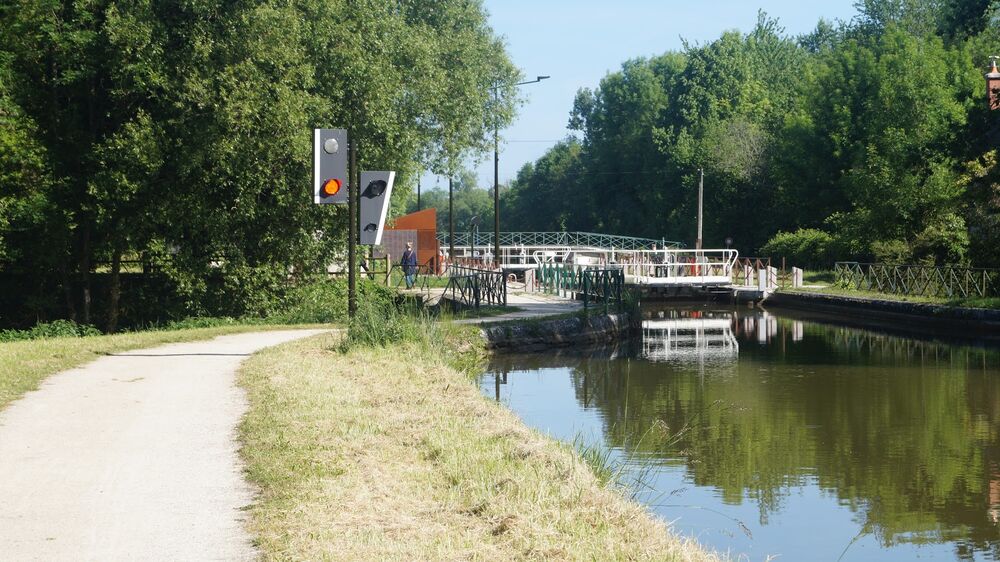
(496, 171)
(474, 233)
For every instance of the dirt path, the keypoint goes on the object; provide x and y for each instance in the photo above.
(132, 457)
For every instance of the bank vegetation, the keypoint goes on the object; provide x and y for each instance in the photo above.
(375, 451)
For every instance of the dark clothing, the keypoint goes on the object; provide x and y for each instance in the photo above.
(409, 262)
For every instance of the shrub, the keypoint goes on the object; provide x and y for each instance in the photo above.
(379, 323)
(322, 301)
(56, 329)
(891, 252)
(807, 248)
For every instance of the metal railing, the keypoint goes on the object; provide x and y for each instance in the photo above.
(918, 280)
(476, 287)
(590, 284)
(576, 239)
(679, 267)
(602, 286)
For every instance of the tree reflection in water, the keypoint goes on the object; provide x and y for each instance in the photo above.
(905, 432)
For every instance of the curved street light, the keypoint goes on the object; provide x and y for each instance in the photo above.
(496, 171)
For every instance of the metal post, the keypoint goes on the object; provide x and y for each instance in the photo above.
(418, 192)
(451, 224)
(701, 195)
(496, 187)
(352, 226)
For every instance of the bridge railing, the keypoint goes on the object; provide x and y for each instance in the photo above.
(603, 285)
(476, 287)
(576, 239)
(918, 280)
(679, 266)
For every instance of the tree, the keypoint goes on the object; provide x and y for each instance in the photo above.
(190, 127)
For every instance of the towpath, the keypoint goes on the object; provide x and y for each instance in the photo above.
(131, 457)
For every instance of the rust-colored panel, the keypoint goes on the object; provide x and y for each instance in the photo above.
(427, 245)
(421, 220)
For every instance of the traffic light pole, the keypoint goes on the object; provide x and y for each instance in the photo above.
(353, 182)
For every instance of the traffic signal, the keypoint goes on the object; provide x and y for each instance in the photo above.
(330, 166)
(374, 204)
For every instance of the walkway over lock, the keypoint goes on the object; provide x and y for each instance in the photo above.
(644, 261)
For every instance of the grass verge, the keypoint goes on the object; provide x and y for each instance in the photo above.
(970, 302)
(392, 453)
(24, 364)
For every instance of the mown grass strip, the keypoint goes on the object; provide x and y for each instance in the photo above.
(389, 453)
(24, 364)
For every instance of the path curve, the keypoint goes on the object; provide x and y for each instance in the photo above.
(131, 457)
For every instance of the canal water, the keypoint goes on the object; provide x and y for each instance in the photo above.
(774, 434)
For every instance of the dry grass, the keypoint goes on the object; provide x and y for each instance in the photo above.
(24, 364)
(390, 454)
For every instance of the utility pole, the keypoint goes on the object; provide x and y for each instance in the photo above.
(701, 198)
(451, 224)
(418, 193)
(496, 185)
(352, 229)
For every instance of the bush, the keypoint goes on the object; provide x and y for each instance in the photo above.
(56, 329)
(807, 248)
(380, 323)
(891, 252)
(322, 301)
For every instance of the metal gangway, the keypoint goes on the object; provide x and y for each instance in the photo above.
(644, 261)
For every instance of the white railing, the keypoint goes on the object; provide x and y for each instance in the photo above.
(679, 267)
(644, 267)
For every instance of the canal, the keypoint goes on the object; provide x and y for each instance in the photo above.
(777, 434)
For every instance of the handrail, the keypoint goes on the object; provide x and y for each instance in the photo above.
(919, 280)
(475, 287)
(583, 239)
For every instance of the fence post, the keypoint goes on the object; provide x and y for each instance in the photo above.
(586, 293)
(475, 289)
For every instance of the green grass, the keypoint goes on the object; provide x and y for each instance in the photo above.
(390, 452)
(828, 279)
(24, 364)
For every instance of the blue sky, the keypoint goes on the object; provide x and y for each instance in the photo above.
(578, 42)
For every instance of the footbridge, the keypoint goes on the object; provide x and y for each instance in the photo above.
(643, 261)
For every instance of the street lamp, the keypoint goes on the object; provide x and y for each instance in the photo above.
(474, 232)
(496, 170)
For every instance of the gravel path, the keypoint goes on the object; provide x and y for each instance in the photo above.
(131, 457)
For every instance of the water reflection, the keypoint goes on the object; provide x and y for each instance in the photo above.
(690, 336)
(798, 421)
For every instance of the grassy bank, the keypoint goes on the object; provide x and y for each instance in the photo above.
(824, 282)
(971, 302)
(24, 364)
(392, 453)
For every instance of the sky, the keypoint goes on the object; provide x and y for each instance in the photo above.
(578, 42)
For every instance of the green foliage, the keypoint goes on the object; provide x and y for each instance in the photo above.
(468, 201)
(56, 329)
(891, 252)
(805, 248)
(863, 129)
(378, 324)
(179, 136)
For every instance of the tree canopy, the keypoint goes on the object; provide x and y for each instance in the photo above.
(177, 135)
(874, 131)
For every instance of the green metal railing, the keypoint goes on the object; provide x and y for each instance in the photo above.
(476, 287)
(918, 280)
(590, 284)
(575, 239)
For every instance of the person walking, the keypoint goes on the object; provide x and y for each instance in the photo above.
(409, 263)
